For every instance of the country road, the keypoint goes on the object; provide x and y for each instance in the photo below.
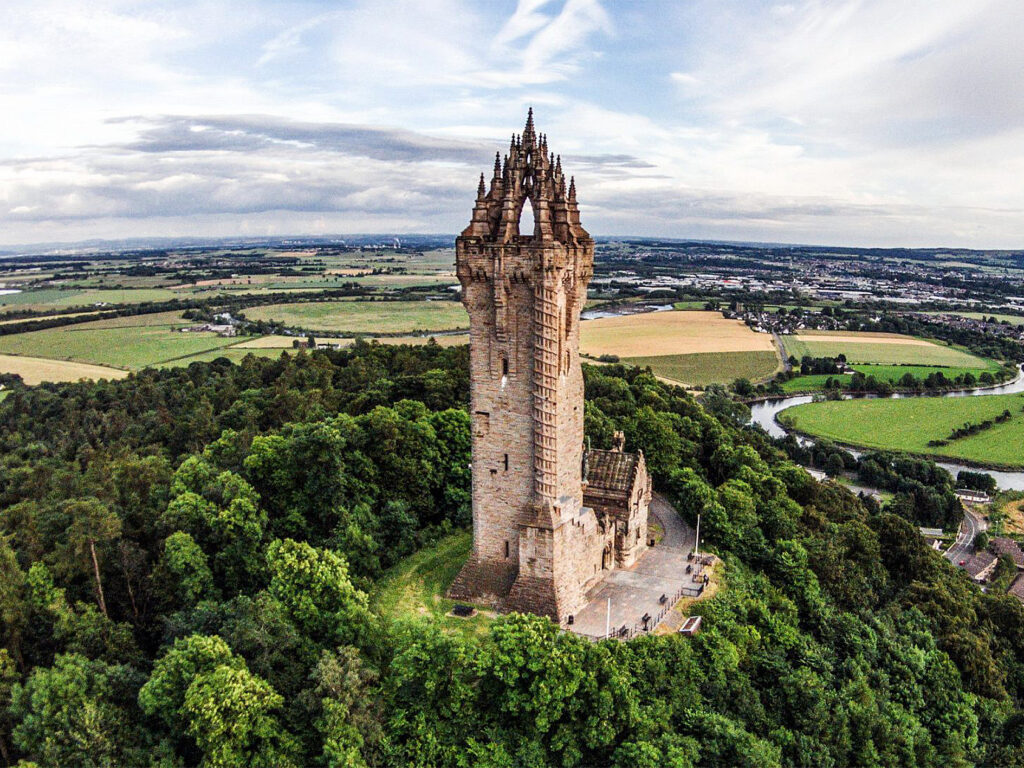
(969, 530)
(786, 366)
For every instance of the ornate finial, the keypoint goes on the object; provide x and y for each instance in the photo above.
(558, 164)
(481, 190)
(497, 163)
(529, 121)
(572, 189)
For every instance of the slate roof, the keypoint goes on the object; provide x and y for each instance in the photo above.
(611, 470)
(1004, 546)
(1017, 588)
(978, 562)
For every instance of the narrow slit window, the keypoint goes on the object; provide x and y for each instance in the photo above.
(506, 462)
(504, 366)
(507, 551)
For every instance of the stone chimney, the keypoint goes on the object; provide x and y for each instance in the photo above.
(619, 441)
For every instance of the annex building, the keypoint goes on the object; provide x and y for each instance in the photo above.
(550, 519)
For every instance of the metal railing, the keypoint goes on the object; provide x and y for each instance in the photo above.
(627, 631)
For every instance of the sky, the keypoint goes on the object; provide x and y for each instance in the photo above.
(845, 122)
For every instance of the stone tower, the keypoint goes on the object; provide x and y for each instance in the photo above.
(536, 547)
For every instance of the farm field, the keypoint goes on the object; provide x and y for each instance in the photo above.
(909, 424)
(55, 298)
(36, 370)
(234, 354)
(368, 317)
(125, 342)
(688, 347)
(890, 373)
(878, 348)
(704, 368)
(1011, 319)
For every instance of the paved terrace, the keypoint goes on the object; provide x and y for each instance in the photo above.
(636, 591)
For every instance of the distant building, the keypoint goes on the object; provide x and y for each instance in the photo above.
(220, 330)
(972, 497)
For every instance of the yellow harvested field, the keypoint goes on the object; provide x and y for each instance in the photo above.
(856, 337)
(35, 370)
(669, 333)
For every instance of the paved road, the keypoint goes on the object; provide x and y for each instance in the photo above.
(661, 570)
(969, 530)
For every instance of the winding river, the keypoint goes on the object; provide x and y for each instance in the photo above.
(764, 413)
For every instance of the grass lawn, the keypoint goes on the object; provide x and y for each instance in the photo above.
(705, 368)
(367, 317)
(909, 424)
(415, 587)
(879, 348)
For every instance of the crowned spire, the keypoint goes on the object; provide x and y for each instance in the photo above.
(481, 190)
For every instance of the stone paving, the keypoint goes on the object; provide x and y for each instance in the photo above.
(637, 591)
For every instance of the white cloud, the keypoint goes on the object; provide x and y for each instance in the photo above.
(842, 120)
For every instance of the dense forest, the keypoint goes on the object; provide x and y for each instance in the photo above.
(186, 554)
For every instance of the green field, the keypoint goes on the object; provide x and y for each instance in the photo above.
(55, 298)
(703, 368)
(814, 382)
(234, 354)
(909, 424)
(884, 351)
(127, 342)
(366, 316)
(416, 586)
(1011, 319)
(890, 373)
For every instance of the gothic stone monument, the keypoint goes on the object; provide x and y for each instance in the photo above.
(549, 519)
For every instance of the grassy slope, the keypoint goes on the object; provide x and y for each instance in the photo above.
(908, 425)
(416, 586)
(710, 367)
(367, 316)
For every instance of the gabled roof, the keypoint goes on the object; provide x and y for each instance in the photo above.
(1017, 588)
(978, 563)
(1004, 546)
(611, 470)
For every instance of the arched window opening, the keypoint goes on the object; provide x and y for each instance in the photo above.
(526, 218)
